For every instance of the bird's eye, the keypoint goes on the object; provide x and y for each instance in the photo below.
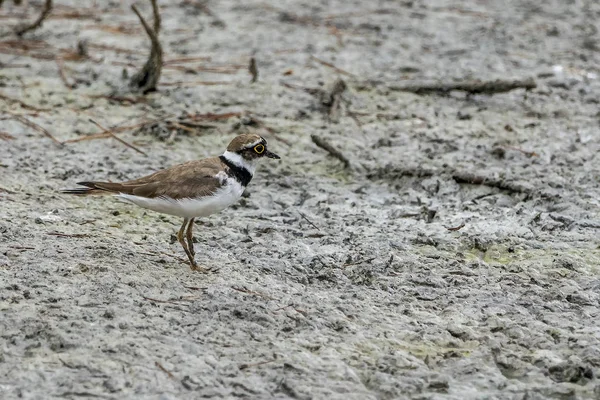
(259, 148)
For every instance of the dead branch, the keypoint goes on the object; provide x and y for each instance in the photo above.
(23, 104)
(526, 152)
(120, 99)
(163, 301)
(20, 31)
(330, 65)
(35, 126)
(246, 366)
(322, 143)
(309, 221)
(196, 83)
(147, 78)
(455, 228)
(473, 86)
(68, 235)
(6, 136)
(88, 137)
(244, 290)
(253, 70)
(156, 16)
(473, 179)
(392, 172)
(63, 76)
(166, 371)
(109, 133)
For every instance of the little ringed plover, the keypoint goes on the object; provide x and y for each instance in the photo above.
(193, 189)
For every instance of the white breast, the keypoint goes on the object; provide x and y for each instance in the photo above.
(225, 196)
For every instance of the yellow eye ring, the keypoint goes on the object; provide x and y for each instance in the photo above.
(259, 149)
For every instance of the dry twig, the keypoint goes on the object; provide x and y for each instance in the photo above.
(147, 78)
(87, 137)
(166, 371)
(473, 179)
(264, 296)
(245, 366)
(253, 70)
(330, 65)
(63, 76)
(35, 126)
(473, 86)
(6, 136)
(20, 31)
(69, 235)
(163, 301)
(22, 104)
(309, 221)
(322, 143)
(456, 228)
(109, 133)
(526, 152)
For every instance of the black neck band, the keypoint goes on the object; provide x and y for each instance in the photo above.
(241, 174)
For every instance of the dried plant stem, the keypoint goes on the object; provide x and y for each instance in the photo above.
(322, 143)
(109, 133)
(147, 78)
(20, 31)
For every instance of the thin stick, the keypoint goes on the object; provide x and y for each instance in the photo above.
(527, 153)
(474, 86)
(4, 190)
(253, 70)
(22, 104)
(166, 371)
(456, 228)
(121, 99)
(164, 301)
(254, 293)
(147, 78)
(182, 127)
(88, 137)
(6, 136)
(186, 60)
(35, 126)
(244, 366)
(63, 76)
(196, 83)
(330, 65)
(156, 16)
(330, 149)
(68, 235)
(117, 138)
(308, 220)
(38, 22)
(470, 178)
(359, 262)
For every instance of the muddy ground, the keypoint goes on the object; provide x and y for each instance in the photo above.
(392, 278)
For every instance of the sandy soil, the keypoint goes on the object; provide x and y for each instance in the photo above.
(330, 282)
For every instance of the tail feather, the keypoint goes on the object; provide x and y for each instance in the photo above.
(91, 188)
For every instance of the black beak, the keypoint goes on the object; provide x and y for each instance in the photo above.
(270, 154)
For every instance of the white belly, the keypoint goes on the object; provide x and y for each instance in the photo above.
(191, 207)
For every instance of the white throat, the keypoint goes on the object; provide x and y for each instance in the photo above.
(238, 160)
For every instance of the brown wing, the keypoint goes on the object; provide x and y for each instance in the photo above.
(191, 179)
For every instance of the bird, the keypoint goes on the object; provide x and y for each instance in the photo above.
(193, 189)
